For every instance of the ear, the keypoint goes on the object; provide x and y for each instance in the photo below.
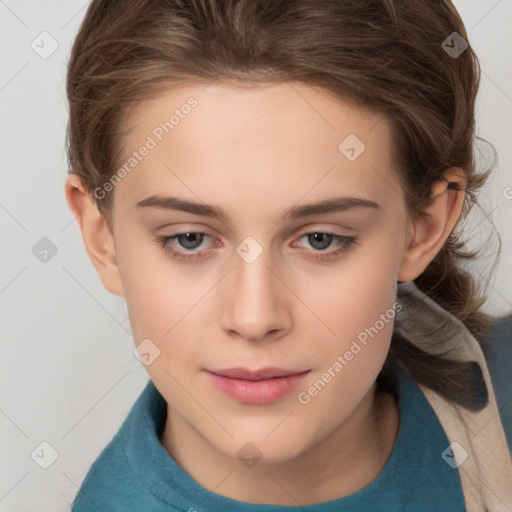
(96, 234)
(430, 230)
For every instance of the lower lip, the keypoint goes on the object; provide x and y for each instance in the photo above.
(257, 392)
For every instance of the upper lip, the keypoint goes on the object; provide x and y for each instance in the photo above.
(261, 374)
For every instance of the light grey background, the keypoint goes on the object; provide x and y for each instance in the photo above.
(68, 373)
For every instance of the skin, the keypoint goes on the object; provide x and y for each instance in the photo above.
(254, 152)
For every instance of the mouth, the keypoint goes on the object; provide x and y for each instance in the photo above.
(257, 387)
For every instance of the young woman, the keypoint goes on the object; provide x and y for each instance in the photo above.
(277, 189)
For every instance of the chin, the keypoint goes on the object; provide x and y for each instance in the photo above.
(252, 450)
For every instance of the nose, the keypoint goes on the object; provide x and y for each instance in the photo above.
(255, 305)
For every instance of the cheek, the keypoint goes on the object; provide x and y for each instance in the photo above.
(358, 304)
(166, 312)
(354, 294)
(163, 300)
(360, 307)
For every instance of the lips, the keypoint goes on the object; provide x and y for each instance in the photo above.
(254, 375)
(257, 387)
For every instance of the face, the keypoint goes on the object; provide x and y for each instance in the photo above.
(266, 321)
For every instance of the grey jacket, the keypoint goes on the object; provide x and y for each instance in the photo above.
(480, 447)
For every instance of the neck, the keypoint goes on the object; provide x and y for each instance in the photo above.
(345, 461)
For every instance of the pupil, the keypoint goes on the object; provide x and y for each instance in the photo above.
(325, 239)
(189, 238)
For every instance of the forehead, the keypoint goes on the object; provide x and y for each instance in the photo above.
(267, 144)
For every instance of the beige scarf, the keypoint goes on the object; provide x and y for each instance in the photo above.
(484, 462)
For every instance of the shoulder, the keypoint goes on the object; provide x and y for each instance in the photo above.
(497, 348)
(108, 475)
(110, 483)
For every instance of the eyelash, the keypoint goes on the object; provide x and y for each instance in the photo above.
(347, 242)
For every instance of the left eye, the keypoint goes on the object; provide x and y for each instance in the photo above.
(324, 240)
(319, 240)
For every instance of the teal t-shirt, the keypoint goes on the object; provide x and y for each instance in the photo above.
(135, 473)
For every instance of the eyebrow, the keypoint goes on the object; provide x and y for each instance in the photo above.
(336, 204)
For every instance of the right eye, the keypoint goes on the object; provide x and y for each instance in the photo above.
(187, 240)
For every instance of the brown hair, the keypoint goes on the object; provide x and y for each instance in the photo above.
(384, 55)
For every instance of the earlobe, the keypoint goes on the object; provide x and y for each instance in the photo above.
(98, 240)
(430, 230)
